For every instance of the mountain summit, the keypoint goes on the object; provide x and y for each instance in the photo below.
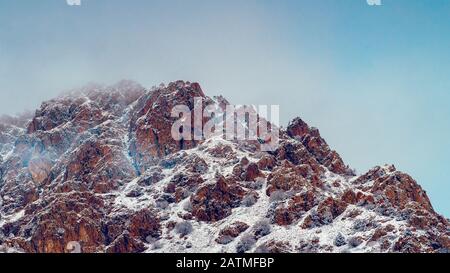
(96, 170)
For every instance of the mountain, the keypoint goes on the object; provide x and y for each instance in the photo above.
(96, 170)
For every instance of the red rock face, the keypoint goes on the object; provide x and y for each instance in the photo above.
(288, 177)
(247, 171)
(143, 224)
(400, 189)
(100, 165)
(267, 162)
(394, 187)
(228, 234)
(331, 207)
(82, 218)
(151, 124)
(317, 146)
(74, 217)
(98, 169)
(296, 207)
(214, 202)
(350, 197)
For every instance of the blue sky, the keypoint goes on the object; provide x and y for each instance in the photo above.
(374, 79)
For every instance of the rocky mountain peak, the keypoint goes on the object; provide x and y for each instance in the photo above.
(98, 168)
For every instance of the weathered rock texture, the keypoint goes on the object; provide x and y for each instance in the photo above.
(97, 169)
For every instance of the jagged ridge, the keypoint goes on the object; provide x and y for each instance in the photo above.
(99, 167)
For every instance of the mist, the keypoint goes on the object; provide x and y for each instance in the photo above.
(371, 79)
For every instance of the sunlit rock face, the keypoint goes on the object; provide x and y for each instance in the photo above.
(97, 170)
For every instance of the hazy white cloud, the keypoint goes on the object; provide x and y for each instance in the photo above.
(374, 82)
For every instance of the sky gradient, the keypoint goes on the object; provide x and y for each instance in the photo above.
(374, 79)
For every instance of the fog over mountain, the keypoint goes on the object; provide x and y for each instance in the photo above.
(371, 74)
(97, 170)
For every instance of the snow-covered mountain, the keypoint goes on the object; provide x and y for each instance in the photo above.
(96, 170)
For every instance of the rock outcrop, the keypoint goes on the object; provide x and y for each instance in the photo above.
(97, 170)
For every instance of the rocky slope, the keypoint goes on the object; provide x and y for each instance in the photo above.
(97, 170)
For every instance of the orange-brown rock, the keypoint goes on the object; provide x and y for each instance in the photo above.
(252, 172)
(99, 168)
(349, 197)
(381, 232)
(359, 198)
(331, 206)
(151, 124)
(144, 223)
(99, 165)
(296, 207)
(247, 171)
(326, 212)
(292, 178)
(71, 217)
(267, 162)
(400, 189)
(230, 232)
(214, 202)
(317, 146)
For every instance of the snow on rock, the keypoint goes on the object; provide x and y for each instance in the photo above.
(97, 166)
